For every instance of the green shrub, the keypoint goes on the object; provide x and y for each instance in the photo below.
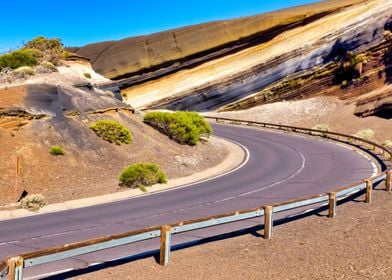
(57, 151)
(322, 127)
(87, 75)
(35, 51)
(183, 127)
(19, 58)
(142, 174)
(52, 49)
(33, 202)
(112, 131)
(365, 134)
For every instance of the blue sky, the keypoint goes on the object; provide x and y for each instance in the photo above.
(81, 22)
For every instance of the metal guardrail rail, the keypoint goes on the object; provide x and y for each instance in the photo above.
(14, 265)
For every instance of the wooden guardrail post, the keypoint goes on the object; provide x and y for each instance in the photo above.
(388, 181)
(332, 205)
(15, 268)
(268, 222)
(369, 188)
(165, 245)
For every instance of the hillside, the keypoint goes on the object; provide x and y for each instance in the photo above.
(227, 79)
(57, 109)
(145, 57)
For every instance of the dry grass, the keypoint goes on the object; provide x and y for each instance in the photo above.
(33, 202)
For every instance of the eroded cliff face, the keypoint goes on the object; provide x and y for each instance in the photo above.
(208, 66)
(232, 77)
(143, 57)
(367, 77)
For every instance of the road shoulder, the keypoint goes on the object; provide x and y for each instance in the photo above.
(236, 156)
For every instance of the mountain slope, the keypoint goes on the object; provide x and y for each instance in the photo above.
(168, 51)
(229, 78)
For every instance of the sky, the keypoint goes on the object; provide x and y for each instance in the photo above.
(85, 21)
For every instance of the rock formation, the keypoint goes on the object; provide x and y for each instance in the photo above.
(258, 52)
(171, 50)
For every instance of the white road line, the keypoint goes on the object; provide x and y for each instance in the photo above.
(282, 181)
(247, 156)
(375, 168)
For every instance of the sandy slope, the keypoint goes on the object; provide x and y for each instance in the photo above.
(338, 114)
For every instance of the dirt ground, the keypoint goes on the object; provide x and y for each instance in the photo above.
(90, 165)
(330, 110)
(355, 245)
(94, 171)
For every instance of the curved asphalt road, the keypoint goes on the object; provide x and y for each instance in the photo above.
(280, 167)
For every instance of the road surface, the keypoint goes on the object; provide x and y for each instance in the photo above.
(280, 167)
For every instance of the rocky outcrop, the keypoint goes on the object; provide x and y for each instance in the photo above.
(54, 101)
(380, 106)
(146, 57)
(219, 82)
(329, 80)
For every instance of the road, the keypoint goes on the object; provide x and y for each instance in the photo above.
(280, 167)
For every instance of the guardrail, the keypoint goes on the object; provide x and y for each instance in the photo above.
(14, 265)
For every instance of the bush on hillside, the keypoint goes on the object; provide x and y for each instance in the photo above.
(57, 151)
(39, 50)
(87, 75)
(142, 174)
(19, 58)
(112, 131)
(33, 202)
(183, 127)
(366, 134)
(52, 50)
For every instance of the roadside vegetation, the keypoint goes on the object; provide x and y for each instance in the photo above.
(33, 202)
(112, 131)
(141, 175)
(366, 134)
(183, 127)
